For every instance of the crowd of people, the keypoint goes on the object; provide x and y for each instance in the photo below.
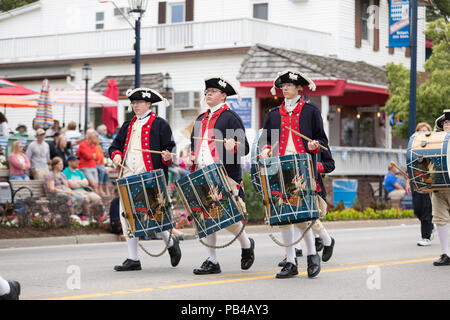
(70, 164)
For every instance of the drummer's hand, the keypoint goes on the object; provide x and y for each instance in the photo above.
(229, 144)
(266, 153)
(167, 156)
(117, 159)
(313, 145)
(408, 187)
(190, 161)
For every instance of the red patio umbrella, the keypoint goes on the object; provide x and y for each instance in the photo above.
(109, 115)
(11, 88)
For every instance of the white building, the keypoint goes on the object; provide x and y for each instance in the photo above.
(195, 39)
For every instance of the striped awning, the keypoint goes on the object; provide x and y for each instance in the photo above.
(76, 97)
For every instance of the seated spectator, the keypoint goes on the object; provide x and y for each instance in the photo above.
(103, 176)
(92, 202)
(56, 128)
(72, 132)
(395, 188)
(88, 154)
(21, 130)
(39, 154)
(19, 164)
(57, 187)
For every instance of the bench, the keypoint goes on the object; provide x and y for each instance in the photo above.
(25, 189)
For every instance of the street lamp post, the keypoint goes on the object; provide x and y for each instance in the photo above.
(138, 7)
(87, 75)
(167, 84)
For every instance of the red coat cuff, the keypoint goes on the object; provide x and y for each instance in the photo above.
(116, 152)
(167, 163)
(314, 151)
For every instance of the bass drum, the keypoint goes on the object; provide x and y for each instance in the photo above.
(428, 161)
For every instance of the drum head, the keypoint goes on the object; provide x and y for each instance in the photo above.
(427, 161)
(209, 199)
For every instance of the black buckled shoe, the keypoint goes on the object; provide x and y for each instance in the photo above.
(289, 270)
(208, 267)
(298, 253)
(443, 261)
(248, 256)
(14, 292)
(328, 251)
(175, 252)
(313, 265)
(319, 244)
(129, 265)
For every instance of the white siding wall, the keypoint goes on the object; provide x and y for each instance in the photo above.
(346, 38)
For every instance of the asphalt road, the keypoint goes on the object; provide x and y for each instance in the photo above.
(368, 263)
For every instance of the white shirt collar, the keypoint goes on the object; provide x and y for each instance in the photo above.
(290, 104)
(145, 115)
(215, 108)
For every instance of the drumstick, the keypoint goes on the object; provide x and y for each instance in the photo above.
(399, 169)
(306, 138)
(273, 148)
(209, 139)
(152, 151)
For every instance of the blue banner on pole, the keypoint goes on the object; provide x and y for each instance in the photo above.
(243, 109)
(399, 23)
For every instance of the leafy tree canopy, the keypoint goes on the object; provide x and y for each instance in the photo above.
(6, 5)
(433, 95)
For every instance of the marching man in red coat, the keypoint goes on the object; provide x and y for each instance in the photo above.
(146, 131)
(305, 118)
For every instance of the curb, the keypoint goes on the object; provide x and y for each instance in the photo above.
(188, 233)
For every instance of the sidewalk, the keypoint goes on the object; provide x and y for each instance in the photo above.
(189, 233)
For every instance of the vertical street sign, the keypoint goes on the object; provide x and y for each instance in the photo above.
(399, 26)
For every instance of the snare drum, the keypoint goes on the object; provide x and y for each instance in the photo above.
(207, 196)
(289, 189)
(428, 161)
(146, 202)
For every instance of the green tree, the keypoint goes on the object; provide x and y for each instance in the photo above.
(438, 9)
(6, 5)
(433, 95)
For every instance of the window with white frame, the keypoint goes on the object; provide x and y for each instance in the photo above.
(99, 20)
(261, 11)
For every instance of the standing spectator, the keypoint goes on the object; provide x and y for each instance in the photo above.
(422, 204)
(21, 130)
(63, 148)
(56, 128)
(88, 154)
(77, 181)
(4, 130)
(72, 132)
(103, 176)
(19, 164)
(39, 154)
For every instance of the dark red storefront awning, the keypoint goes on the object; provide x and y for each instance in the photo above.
(341, 92)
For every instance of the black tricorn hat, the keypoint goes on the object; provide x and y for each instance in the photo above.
(295, 77)
(440, 121)
(145, 94)
(222, 84)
